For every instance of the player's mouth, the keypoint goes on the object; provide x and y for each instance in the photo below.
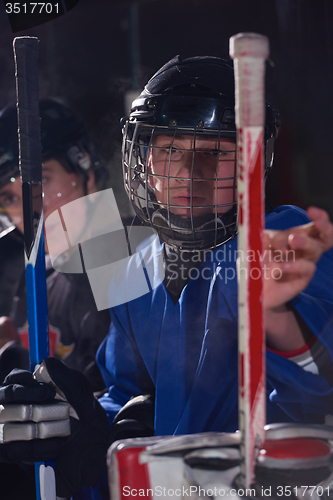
(190, 201)
(184, 199)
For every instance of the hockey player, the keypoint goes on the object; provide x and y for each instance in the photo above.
(71, 170)
(181, 340)
(178, 342)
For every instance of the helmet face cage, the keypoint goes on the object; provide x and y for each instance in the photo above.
(199, 218)
(181, 132)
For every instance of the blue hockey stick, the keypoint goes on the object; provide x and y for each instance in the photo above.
(27, 97)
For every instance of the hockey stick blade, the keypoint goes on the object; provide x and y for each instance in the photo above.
(249, 51)
(30, 163)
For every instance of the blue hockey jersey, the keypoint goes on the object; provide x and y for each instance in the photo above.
(186, 353)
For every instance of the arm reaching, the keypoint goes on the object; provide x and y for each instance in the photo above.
(290, 261)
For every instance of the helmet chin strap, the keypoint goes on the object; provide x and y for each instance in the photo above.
(175, 222)
(199, 233)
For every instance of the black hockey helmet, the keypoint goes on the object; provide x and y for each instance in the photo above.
(198, 93)
(63, 137)
(186, 96)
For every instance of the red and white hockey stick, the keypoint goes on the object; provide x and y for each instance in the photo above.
(249, 51)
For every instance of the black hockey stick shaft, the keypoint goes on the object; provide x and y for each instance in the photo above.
(26, 56)
(30, 163)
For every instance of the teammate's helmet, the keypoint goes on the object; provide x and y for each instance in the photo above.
(195, 97)
(63, 137)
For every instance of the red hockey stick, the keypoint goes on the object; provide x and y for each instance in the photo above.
(249, 52)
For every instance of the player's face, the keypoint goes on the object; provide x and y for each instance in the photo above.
(59, 188)
(197, 176)
(11, 201)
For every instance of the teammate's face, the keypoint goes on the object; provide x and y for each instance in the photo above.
(197, 176)
(59, 188)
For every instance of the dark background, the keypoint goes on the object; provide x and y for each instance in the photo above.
(101, 49)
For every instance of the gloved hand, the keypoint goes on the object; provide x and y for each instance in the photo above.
(12, 353)
(135, 418)
(79, 457)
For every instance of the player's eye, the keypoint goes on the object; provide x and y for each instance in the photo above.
(7, 200)
(212, 154)
(217, 152)
(223, 154)
(168, 153)
(45, 180)
(175, 154)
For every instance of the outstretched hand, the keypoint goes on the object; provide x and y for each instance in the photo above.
(291, 256)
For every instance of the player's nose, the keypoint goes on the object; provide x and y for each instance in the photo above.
(192, 166)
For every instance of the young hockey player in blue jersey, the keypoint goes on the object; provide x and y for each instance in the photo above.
(178, 341)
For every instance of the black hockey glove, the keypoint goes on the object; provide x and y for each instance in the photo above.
(80, 456)
(12, 355)
(135, 419)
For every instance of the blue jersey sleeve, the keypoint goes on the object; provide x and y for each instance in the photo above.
(121, 365)
(303, 395)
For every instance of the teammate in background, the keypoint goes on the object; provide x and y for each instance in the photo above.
(178, 342)
(71, 170)
(11, 262)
